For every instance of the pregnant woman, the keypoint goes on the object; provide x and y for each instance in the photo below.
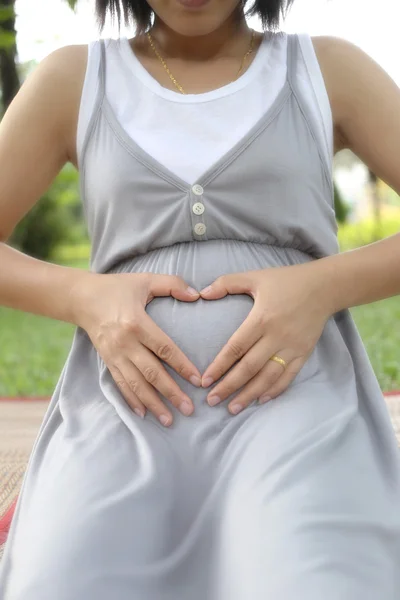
(217, 431)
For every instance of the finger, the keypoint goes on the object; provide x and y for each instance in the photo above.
(257, 386)
(130, 397)
(233, 283)
(172, 285)
(283, 381)
(154, 338)
(249, 332)
(145, 392)
(156, 375)
(246, 369)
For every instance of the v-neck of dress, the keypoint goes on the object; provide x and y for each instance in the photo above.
(211, 172)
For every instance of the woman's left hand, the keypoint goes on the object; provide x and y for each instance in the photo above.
(291, 307)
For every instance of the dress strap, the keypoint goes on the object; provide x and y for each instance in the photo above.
(96, 111)
(102, 69)
(293, 57)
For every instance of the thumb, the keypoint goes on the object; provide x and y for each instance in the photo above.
(172, 285)
(234, 283)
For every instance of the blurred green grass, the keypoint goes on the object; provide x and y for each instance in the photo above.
(33, 348)
(378, 324)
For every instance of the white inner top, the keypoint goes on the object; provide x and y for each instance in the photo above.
(188, 133)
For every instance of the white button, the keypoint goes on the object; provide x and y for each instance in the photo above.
(197, 189)
(200, 228)
(198, 208)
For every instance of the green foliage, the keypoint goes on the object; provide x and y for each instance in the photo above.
(55, 219)
(72, 3)
(390, 196)
(355, 235)
(68, 197)
(342, 209)
(7, 38)
(6, 12)
(381, 337)
(78, 253)
(41, 229)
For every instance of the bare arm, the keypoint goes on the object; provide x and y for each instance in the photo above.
(365, 104)
(37, 137)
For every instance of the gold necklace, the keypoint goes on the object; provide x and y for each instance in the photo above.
(180, 88)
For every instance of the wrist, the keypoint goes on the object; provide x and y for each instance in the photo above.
(326, 285)
(80, 296)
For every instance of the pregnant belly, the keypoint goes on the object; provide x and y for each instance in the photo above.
(203, 327)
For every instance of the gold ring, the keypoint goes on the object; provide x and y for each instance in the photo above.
(279, 360)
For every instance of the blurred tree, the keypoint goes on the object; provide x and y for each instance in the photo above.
(54, 220)
(375, 197)
(42, 228)
(9, 78)
(57, 216)
(348, 160)
(342, 209)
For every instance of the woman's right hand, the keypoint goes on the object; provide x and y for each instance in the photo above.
(111, 309)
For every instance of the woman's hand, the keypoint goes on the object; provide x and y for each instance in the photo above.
(290, 310)
(112, 312)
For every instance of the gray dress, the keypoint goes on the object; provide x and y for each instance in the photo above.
(297, 499)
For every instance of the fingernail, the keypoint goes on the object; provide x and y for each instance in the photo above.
(186, 408)
(213, 400)
(195, 380)
(165, 420)
(236, 408)
(139, 413)
(207, 381)
(192, 291)
(264, 398)
(206, 290)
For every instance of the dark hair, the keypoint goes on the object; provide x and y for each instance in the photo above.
(140, 13)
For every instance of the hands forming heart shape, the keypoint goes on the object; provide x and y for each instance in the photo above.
(291, 307)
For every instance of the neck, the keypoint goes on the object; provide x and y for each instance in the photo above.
(225, 41)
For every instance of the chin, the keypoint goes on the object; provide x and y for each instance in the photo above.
(193, 31)
(196, 21)
(194, 27)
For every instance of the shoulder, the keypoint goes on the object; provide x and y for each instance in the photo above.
(350, 75)
(64, 64)
(339, 59)
(365, 103)
(55, 80)
(59, 74)
(54, 88)
(346, 67)
(341, 63)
